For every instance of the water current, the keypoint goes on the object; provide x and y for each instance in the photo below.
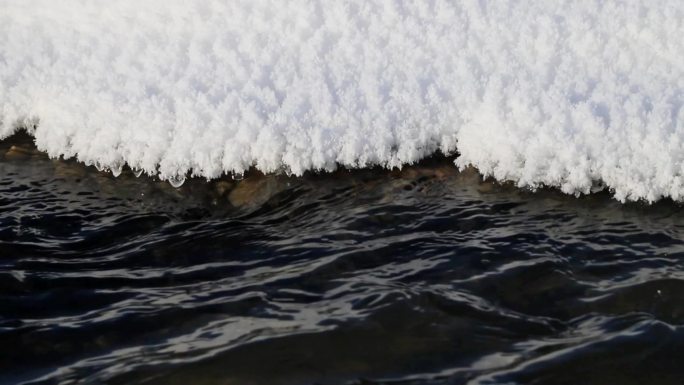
(425, 275)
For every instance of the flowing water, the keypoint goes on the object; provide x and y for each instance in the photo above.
(426, 275)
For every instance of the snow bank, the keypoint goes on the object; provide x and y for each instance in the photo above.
(563, 93)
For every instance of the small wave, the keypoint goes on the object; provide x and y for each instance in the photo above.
(420, 276)
(565, 94)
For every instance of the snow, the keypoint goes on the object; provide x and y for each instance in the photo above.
(572, 94)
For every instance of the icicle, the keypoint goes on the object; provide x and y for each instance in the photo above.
(177, 181)
(116, 169)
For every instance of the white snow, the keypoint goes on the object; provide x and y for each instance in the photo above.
(561, 93)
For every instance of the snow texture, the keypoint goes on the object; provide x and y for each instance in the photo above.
(572, 94)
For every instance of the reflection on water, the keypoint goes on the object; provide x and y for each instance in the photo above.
(425, 275)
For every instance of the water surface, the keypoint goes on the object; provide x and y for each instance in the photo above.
(421, 276)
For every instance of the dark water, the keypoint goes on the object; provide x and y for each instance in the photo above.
(421, 276)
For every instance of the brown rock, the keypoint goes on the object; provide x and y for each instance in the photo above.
(22, 153)
(223, 187)
(255, 191)
(68, 169)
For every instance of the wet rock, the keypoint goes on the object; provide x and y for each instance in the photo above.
(255, 191)
(446, 171)
(17, 152)
(222, 187)
(441, 171)
(69, 169)
(486, 188)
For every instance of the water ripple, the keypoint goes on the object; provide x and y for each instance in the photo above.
(426, 275)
